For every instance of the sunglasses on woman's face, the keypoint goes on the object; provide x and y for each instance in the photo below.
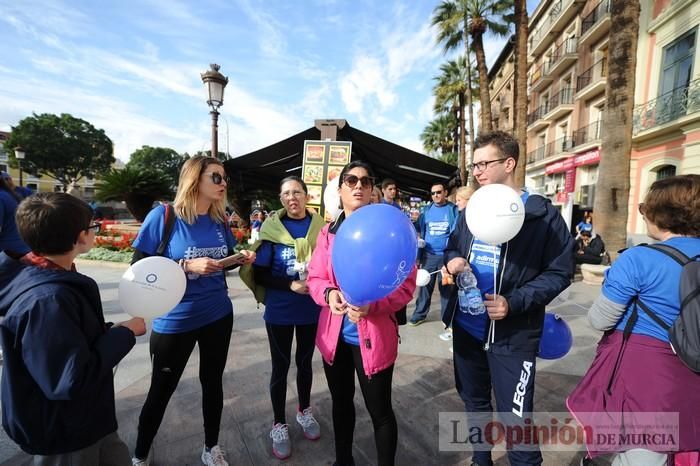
(351, 181)
(217, 178)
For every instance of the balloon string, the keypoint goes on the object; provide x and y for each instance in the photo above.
(492, 325)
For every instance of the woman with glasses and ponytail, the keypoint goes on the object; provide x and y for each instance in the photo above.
(342, 326)
(278, 280)
(199, 241)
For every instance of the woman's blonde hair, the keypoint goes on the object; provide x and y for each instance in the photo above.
(465, 192)
(188, 191)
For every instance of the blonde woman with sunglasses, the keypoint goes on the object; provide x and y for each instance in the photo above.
(200, 240)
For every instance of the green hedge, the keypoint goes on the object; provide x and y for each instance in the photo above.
(102, 254)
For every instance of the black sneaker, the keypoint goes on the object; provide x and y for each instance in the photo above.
(415, 323)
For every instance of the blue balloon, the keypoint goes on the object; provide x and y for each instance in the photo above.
(557, 339)
(373, 253)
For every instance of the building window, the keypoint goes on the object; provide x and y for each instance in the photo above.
(677, 64)
(3, 167)
(33, 186)
(666, 171)
(58, 188)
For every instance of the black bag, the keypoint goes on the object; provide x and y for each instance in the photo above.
(167, 233)
(684, 333)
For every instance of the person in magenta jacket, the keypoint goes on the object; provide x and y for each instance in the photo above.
(351, 339)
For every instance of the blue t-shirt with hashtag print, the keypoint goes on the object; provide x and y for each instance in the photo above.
(206, 296)
(285, 307)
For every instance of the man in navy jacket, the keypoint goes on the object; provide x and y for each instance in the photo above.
(532, 269)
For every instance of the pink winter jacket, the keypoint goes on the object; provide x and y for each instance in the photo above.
(378, 331)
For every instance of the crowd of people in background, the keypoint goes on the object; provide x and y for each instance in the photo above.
(58, 398)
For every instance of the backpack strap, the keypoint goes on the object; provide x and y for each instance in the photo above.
(651, 314)
(169, 223)
(671, 252)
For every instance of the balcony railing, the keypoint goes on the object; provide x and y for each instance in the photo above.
(667, 107)
(595, 72)
(565, 48)
(539, 72)
(563, 97)
(556, 147)
(587, 134)
(539, 113)
(542, 31)
(602, 9)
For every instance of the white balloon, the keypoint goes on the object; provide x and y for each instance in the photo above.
(422, 277)
(495, 213)
(331, 197)
(152, 287)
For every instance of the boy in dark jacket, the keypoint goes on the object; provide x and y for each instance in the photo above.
(530, 271)
(57, 387)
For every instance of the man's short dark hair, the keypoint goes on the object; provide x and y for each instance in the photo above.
(506, 144)
(439, 183)
(387, 182)
(586, 233)
(49, 223)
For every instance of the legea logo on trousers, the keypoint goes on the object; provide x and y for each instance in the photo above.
(521, 389)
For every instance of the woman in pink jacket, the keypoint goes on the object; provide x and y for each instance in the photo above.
(351, 339)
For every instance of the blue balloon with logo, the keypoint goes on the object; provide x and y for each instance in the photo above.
(373, 253)
(557, 338)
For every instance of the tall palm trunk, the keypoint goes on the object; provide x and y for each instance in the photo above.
(484, 93)
(612, 193)
(467, 55)
(520, 97)
(462, 140)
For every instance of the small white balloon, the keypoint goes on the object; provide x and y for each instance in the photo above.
(152, 287)
(422, 277)
(331, 197)
(495, 213)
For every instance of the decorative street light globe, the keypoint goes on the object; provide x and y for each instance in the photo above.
(19, 155)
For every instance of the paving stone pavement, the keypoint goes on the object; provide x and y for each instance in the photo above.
(423, 387)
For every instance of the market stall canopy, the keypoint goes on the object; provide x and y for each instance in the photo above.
(264, 168)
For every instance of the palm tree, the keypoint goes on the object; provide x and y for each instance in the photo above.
(438, 137)
(520, 88)
(451, 86)
(139, 188)
(459, 19)
(612, 193)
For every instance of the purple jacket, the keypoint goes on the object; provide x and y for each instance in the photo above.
(649, 378)
(378, 331)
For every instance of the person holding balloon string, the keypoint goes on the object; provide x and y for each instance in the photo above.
(361, 272)
(200, 242)
(57, 387)
(278, 279)
(519, 248)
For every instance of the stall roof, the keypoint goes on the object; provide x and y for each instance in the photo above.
(412, 171)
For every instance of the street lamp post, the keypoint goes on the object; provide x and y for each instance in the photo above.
(19, 155)
(215, 83)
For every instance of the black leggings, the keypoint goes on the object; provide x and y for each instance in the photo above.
(377, 394)
(280, 338)
(169, 355)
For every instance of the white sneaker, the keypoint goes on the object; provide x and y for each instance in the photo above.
(446, 335)
(140, 462)
(281, 446)
(308, 423)
(214, 457)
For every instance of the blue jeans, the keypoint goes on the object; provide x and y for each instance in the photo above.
(431, 263)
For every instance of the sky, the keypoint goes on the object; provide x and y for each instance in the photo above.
(133, 68)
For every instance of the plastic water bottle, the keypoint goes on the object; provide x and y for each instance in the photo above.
(470, 300)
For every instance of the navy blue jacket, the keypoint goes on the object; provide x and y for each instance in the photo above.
(537, 265)
(57, 387)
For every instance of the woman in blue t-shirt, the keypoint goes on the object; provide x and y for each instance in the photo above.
(287, 238)
(641, 373)
(204, 316)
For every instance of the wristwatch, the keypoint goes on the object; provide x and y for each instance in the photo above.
(327, 293)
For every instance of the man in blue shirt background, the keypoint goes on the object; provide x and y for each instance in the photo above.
(435, 224)
(390, 192)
